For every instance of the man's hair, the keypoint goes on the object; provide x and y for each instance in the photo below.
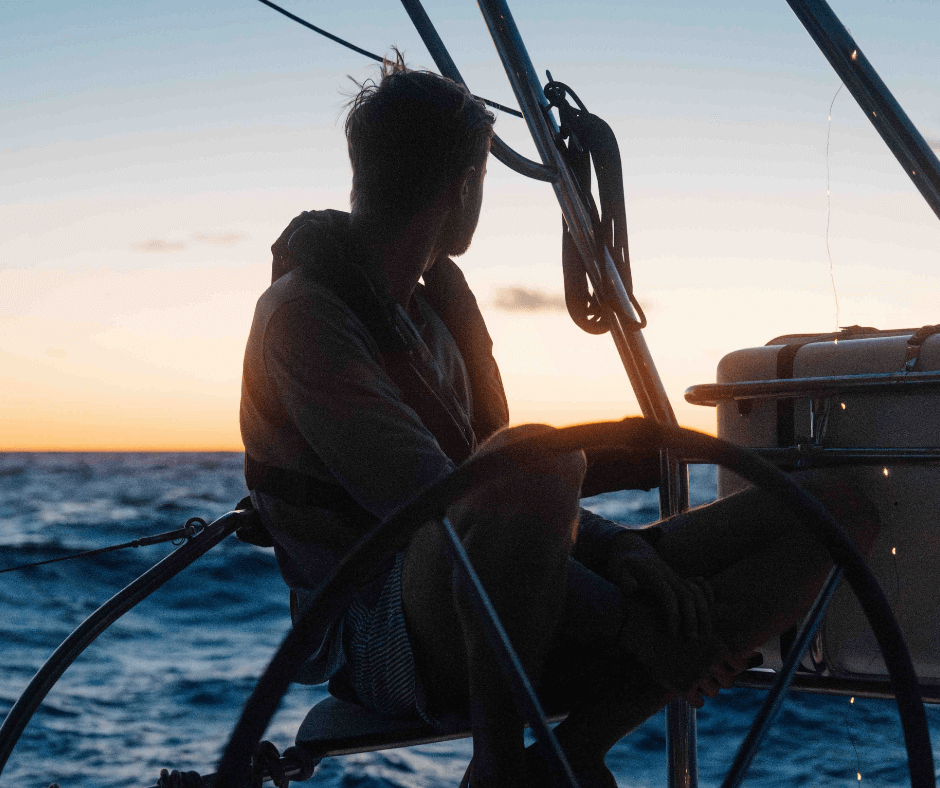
(409, 137)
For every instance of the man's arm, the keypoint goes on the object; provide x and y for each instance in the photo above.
(596, 536)
(630, 561)
(325, 369)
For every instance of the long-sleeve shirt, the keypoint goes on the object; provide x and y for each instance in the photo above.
(316, 400)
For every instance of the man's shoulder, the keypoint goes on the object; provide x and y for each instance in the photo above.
(298, 292)
(306, 308)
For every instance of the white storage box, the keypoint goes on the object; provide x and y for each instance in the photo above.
(906, 557)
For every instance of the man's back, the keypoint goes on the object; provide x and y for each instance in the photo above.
(319, 404)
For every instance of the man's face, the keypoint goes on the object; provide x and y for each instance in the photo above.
(462, 223)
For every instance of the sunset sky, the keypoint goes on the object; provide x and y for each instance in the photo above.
(151, 152)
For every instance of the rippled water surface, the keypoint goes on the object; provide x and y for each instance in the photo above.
(164, 685)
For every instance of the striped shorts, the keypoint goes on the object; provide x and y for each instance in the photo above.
(380, 665)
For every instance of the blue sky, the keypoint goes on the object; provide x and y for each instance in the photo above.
(151, 152)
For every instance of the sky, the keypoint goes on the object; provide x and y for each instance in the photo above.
(151, 152)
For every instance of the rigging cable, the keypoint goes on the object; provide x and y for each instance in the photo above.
(187, 532)
(372, 55)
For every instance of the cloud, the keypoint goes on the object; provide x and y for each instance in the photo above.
(160, 245)
(157, 245)
(220, 240)
(525, 299)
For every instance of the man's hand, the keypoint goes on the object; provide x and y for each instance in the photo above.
(695, 669)
(722, 674)
(673, 661)
(639, 571)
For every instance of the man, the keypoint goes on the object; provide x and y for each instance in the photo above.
(363, 386)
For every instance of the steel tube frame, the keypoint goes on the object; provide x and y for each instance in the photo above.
(442, 59)
(634, 353)
(812, 684)
(631, 346)
(816, 456)
(879, 105)
(822, 386)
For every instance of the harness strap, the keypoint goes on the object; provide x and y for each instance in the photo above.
(296, 488)
(915, 344)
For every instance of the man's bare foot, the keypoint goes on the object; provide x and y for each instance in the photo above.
(591, 773)
(675, 662)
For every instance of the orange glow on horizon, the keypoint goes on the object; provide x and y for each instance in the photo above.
(121, 435)
(190, 436)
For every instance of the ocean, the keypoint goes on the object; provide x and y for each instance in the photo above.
(164, 685)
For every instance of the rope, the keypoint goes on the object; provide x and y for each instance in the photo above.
(188, 531)
(369, 54)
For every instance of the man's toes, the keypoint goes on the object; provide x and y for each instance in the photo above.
(589, 774)
(708, 687)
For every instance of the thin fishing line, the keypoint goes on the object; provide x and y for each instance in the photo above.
(897, 585)
(369, 54)
(894, 549)
(832, 275)
(888, 524)
(858, 761)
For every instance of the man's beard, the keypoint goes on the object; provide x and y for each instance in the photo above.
(458, 232)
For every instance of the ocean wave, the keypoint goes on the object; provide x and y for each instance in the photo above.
(163, 686)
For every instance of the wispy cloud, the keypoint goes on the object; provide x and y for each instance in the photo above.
(526, 299)
(220, 240)
(157, 245)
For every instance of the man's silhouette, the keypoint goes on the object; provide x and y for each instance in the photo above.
(363, 386)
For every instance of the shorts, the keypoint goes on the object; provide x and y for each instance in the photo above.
(380, 667)
(380, 672)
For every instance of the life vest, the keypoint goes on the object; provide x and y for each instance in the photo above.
(321, 243)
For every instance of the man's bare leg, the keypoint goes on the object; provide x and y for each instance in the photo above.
(765, 569)
(518, 532)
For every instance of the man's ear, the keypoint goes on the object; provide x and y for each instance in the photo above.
(466, 183)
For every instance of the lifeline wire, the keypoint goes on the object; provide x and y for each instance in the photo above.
(186, 532)
(372, 55)
(832, 275)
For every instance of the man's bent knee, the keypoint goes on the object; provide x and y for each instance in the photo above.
(528, 514)
(568, 469)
